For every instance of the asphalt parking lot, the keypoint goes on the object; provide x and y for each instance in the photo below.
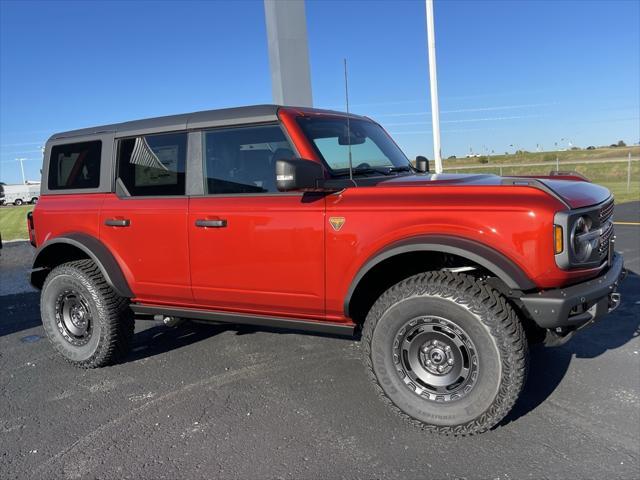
(236, 402)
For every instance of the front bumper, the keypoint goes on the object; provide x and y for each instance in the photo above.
(579, 304)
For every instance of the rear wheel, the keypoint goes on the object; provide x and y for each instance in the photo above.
(446, 351)
(85, 320)
(34, 200)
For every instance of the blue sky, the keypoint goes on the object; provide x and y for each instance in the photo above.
(521, 73)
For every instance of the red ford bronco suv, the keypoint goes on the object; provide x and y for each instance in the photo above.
(315, 220)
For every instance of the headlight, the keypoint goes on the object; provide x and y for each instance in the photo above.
(583, 240)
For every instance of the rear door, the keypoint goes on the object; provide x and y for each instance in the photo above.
(252, 248)
(145, 222)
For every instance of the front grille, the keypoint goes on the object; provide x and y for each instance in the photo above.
(606, 212)
(605, 238)
(605, 215)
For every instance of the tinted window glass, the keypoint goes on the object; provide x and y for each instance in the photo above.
(153, 164)
(369, 144)
(75, 165)
(242, 160)
(364, 153)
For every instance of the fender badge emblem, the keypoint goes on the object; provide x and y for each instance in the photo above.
(336, 222)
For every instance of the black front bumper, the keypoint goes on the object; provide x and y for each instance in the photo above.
(579, 304)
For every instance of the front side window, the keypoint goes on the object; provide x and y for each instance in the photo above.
(75, 165)
(242, 160)
(334, 137)
(153, 164)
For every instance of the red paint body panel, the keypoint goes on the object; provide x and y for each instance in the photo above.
(153, 251)
(515, 221)
(301, 142)
(55, 215)
(269, 258)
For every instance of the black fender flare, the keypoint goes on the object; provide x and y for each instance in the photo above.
(489, 258)
(95, 250)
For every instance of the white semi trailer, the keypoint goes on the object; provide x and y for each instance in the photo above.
(19, 194)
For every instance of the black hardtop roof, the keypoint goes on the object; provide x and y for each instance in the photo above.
(204, 119)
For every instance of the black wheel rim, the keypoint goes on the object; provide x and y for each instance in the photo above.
(436, 359)
(73, 317)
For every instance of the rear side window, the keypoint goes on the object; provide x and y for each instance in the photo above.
(153, 164)
(75, 165)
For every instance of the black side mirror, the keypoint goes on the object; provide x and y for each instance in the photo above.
(422, 164)
(298, 174)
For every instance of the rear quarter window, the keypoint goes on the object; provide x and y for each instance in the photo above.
(75, 166)
(153, 164)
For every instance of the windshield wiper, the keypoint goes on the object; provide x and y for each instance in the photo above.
(365, 170)
(404, 168)
(386, 170)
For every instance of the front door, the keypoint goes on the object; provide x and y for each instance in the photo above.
(253, 249)
(145, 222)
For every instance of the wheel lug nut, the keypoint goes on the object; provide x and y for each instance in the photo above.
(447, 348)
(440, 368)
(450, 362)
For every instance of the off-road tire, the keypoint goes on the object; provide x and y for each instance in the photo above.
(490, 323)
(111, 319)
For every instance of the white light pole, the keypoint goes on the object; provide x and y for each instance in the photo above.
(433, 84)
(24, 180)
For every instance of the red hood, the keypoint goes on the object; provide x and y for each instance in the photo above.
(573, 191)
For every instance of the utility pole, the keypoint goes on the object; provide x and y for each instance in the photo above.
(433, 84)
(629, 173)
(288, 52)
(24, 180)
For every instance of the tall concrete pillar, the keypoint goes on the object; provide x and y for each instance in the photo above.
(288, 52)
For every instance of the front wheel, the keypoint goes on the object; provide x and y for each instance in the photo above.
(85, 320)
(446, 351)
(17, 202)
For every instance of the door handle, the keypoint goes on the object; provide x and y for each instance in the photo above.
(211, 223)
(117, 222)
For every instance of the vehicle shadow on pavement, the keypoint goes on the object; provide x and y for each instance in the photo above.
(160, 339)
(19, 312)
(548, 366)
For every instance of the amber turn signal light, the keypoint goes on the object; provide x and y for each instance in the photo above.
(558, 240)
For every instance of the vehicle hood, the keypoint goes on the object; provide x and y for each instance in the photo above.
(574, 192)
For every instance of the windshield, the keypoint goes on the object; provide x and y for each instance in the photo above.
(371, 147)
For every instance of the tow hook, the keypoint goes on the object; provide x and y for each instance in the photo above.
(614, 301)
(558, 336)
(168, 321)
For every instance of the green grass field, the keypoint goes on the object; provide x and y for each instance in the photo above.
(13, 222)
(549, 157)
(611, 175)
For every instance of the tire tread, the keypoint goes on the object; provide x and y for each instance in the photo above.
(117, 322)
(494, 311)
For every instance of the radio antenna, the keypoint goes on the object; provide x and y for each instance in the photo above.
(346, 95)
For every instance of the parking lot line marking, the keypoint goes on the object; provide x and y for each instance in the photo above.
(627, 223)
